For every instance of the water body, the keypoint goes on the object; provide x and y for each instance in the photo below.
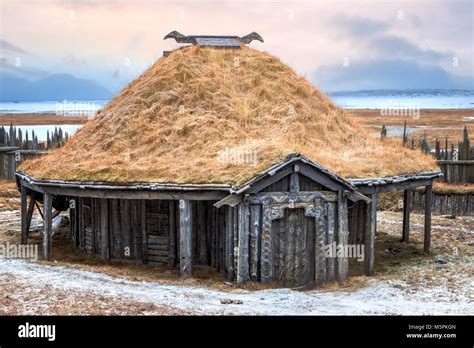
(410, 99)
(42, 131)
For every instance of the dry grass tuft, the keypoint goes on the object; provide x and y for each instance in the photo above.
(171, 123)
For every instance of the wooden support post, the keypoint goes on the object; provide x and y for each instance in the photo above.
(29, 214)
(185, 238)
(243, 244)
(406, 215)
(427, 239)
(331, 238)
(369, 239)
(254, 238)
(48, 226)
(24, 218)
(342, 236)
(104, 229)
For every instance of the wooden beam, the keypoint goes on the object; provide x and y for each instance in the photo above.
(243, 244)
(406, 185)
(369, 238)
(427, 238)
(48, 226)
(195, 195)
(185, 238)
(39, 210)
(406, 215)
(24, 217)
(104, 229)
(29, 214)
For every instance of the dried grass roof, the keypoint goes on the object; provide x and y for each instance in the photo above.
(187, 117)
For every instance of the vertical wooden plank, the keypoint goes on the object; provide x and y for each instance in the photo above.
(172, 219)
(48, 225)
(235, 232)
(294, 182)
(201, 232)
(144, 230)
(24, 215)
(427, 237)
(406, 215)
(104, 229)
(266, 253)
(243, 246)
(342, 238)
(255, 211)
(230, 242)
(320, 243)
(369, 240)
(185, 238)
(331, 261)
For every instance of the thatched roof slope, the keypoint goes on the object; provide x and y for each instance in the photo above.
(204, 115)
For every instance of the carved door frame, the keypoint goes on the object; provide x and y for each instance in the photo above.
(273, 206)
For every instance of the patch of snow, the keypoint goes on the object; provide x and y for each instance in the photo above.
(379, 297)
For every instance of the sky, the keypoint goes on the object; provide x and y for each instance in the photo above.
(336, 45)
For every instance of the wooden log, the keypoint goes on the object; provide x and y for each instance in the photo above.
(255, 211)
(47, 225)
(104, 229)
(427, 237)
(342, 238)
(406, 215)
(243, 244)
(370, 231)
(185, 238)
(24, 213)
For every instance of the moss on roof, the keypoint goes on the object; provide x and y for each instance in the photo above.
(206, 115)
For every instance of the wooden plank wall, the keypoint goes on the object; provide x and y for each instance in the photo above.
(459, 204)
(210, 247)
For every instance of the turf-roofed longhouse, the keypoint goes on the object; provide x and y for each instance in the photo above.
(219, 155)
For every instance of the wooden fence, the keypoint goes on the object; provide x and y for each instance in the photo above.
(444, 203)
(456, 163)
(16, 146)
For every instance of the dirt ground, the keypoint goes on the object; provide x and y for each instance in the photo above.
(405, 281)
(431, 122)
(38, 119)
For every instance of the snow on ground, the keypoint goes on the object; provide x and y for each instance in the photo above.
(379, 297)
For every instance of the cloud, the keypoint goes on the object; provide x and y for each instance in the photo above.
(360, 26)
(5, 45)
(386, 74)
(399, 48)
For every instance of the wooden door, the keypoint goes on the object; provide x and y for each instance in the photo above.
(158, 230)
(293, 239)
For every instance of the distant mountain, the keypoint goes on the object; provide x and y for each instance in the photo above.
(52, 87)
